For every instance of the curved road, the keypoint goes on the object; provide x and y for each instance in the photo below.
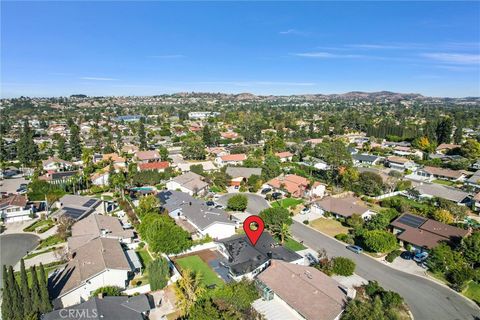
(14, 246)
(255, 203)
(426, 299)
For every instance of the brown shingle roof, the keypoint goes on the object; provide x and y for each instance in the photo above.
(453, 174)
(309, 291)
(14, 200)
(344, 207)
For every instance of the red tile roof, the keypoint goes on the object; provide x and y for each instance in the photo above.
(154, 165)
(285, 154)
(234, 157)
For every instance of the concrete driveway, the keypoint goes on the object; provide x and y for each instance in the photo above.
(11, 185)
(15, 246)
(255, 204)
(426, 299)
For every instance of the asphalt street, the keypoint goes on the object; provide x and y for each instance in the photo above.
(255, 203)
(14, 246)
(426, 299)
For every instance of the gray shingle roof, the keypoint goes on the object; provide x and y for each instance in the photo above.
(364, 157)
(244, 172)
(439, 191)
(196, 211)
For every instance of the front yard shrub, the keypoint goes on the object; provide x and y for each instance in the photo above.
(344, 238)
(237, 202)
(393, 255)
(343, 266)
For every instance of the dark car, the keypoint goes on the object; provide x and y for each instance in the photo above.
(210, 203)
(407, 255)
(355, 249)
(266, 190)
(276, 195)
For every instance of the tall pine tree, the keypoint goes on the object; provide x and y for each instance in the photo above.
(7, 311)
(35, 291)
(142, 135)
(27, 304)
(27, 150)
(16, 295)
(43, 282)
(75, 142)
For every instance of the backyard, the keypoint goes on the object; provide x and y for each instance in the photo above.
(196, 264)
(330, 227)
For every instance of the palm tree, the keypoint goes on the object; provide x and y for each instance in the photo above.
(284, 232)
(188, 289)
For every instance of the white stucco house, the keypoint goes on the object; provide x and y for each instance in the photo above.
(99, 263)
(15, 209)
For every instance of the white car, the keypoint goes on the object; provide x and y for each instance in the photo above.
(305, 211)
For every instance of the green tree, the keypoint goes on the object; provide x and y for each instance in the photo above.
(43, 283)
(111, 291)
(370, 183)
(188, 290)
(471, 248)
(355, 221)
(343, 266)
(379, 241)
(27, 303)
(444, 130)
(7, 303)
(16, 295)
(158, 273)
(459, 277)
(458, 134)
(193, 149)
(35, 291)
(276, 219)
(443, 216)
(271, 167)
(442, 259)
(27, 150)
(148, 204)
(62, 149)
(470, 149)
(75, 142)
(164, 154)
(237, 202)
(163, 235)
(142, 136)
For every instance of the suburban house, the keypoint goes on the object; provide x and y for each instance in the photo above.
(106, 308)
(240, 174)
(53, 164)
(189, 182)
(299, 292)
(444, 147)
(433, 190)
(423, 233)
(77, 207)
(102, 177)
(476, 202)
(246, 260)
(365, 159)
(147, 156)
(95, 226)
(206, 165)
(217, 151)
(14, 208)
(291, 183)
(130, 149)
(100, 262)
(407, 151)
(474, 180)
(155, 166)
(315, 162)
(400, 163)
(342, 207)
(432, 173)
(284, 156)
(59, 178)
(231, 159)
(115, 158)
(229, 135)
(317, 190)
(195, 216)
(314, 141)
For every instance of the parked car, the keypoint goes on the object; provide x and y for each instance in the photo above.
(305, 211)
(407, 255)
(219, 206)
(210, 203)
(311, 259)
(127, 226)
(236, 187)
(355, 249)
(276, 195)
(266, 190)
(420, 257)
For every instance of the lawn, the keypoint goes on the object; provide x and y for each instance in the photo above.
(45, 224)
(445, 182)
(196, 264)
(34, 254)
(329, 226)
(145, 257)
(473, 291)
(286, 203)
(50, 241)
(294, 245)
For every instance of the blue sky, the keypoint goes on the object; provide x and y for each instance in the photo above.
(125, 48)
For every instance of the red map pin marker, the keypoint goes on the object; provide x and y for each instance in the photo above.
(253, 227)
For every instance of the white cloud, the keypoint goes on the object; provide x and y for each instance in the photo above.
(98, 79)
(456, 58)
(293, 32)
